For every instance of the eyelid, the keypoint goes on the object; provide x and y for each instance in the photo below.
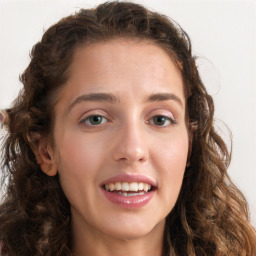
(163, 112)
(88, 117)
(171, 120)
(156, 112)
(91, 114)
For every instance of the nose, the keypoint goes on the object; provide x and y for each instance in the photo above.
(131, 145)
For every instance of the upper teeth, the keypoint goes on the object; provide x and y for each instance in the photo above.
(125, 186)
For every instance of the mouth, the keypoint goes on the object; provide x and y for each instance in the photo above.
(128, 189)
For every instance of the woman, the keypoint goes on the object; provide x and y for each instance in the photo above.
(111, 148)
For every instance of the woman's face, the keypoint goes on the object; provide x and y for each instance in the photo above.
(121, 140)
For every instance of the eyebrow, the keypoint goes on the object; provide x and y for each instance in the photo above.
(163, 97)
(111, 98)
(96, 97)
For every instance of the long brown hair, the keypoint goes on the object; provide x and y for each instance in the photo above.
(210, 216)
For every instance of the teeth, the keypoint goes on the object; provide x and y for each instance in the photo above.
(147, 187)
(131, 194)
(111, 187)
(141, 186)
(118, 186)
(125, 186)
(134, 186)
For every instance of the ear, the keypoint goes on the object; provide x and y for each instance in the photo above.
(44, 156)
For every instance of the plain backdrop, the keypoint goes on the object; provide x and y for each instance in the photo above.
(223, 35)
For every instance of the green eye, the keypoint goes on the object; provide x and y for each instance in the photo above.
(162, 121)
(95, 120)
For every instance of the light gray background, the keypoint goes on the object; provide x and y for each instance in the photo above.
(223, 35)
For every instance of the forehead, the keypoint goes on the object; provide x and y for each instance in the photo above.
(128, 52)
(136, 66)
(123, 49)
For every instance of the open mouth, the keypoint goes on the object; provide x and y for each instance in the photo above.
(129, 188)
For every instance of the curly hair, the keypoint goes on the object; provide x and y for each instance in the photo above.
(211, 215)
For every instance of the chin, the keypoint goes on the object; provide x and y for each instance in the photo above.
(129, 231)
(129, 234)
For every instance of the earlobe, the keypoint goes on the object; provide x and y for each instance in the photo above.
(44, 156)
(49, 169)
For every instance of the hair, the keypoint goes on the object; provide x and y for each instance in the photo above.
(211, 215)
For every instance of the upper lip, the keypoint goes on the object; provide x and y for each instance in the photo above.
(130, 178)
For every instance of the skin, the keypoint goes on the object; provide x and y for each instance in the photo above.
(128, 141)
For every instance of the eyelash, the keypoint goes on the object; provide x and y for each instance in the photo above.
(92, 116)
(167, 118)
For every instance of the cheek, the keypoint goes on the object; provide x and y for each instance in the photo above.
(79, 154)
(78, 162)
(171, 159)
(172, 151)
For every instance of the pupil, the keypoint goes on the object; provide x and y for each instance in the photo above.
(159, 120)
(96, 119)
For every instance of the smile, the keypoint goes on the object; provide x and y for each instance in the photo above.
(128, 189)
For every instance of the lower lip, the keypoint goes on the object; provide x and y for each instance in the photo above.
(128, 201)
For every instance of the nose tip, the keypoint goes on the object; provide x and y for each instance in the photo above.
(134, 155)
(130, 147)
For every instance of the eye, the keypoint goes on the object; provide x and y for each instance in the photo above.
(94, 120)
(162, 120)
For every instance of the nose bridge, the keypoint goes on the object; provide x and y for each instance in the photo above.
(131, 145)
